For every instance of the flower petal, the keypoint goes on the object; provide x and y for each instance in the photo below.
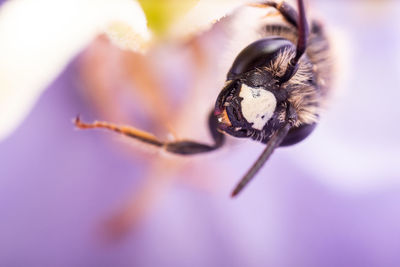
(38, 39)
(203, 15)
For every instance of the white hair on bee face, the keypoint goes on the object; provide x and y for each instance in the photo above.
(258, 105)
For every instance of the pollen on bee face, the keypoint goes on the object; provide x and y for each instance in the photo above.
(258, 105)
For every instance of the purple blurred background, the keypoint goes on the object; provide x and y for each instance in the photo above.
(333, 200)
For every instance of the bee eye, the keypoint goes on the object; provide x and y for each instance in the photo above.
(298, 134)
(258, 54)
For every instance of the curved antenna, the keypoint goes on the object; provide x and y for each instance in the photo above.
(302, 28)
(273, 143)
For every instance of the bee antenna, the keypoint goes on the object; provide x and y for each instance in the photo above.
(273, 143)
(302, 28)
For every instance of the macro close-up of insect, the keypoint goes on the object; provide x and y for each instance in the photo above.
(199, 133)
(274, 92)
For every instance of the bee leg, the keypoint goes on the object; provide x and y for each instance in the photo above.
(274, 142)
(190, 147)
(299, 20)
(179, 147)
(124, 130)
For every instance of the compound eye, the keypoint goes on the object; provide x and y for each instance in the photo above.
(257, 54)
(298, 134)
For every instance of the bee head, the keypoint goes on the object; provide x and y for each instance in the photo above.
(253, 100)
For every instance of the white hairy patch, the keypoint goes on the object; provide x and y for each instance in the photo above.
(258, 105)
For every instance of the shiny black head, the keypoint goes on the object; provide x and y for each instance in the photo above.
(260, 99)
(253, 102)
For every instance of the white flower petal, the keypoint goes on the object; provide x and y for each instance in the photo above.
(39, 37)
(201, 17)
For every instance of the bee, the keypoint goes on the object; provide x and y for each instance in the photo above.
(273, 94)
